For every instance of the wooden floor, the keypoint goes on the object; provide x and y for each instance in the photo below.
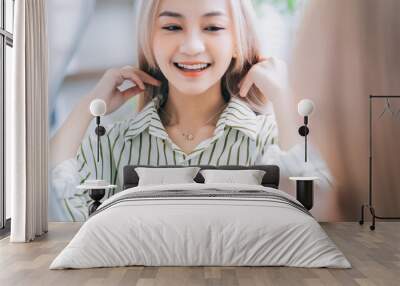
(375, 257)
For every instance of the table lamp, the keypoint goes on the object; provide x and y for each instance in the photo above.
(98, 108)
(305, 108)
(97, 188)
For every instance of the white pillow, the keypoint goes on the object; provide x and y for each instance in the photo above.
(163, 176)
(248, 177)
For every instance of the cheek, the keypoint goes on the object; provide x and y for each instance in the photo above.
(226, 42)
(160, 57)
(161, 54)
(223, 56)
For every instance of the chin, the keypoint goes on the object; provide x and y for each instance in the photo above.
(192, 89)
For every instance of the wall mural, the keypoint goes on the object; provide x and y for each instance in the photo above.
(214, 83)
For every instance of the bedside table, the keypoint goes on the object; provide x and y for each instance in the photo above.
(96, 193)
(305, 190)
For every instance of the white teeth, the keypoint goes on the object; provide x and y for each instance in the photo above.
(192, 67)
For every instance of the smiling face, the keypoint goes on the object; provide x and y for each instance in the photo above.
(193, 43)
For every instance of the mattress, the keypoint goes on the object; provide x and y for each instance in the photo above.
(201, 225)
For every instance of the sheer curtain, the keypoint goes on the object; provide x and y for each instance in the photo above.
(27, 124)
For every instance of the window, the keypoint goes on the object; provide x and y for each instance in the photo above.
(6, 44)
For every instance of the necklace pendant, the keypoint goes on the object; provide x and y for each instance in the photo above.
(188, 136)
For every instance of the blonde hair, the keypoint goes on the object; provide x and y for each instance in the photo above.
(247, 48)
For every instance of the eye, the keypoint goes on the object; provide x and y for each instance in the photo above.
(172, 28)
(213, 28)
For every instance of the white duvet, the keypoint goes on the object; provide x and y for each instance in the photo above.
(200, 231)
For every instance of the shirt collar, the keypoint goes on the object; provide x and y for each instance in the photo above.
(237, 115)
(147, 118)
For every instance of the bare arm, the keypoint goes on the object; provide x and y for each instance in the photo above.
(270, 77)
(65, 143)
(286, 118)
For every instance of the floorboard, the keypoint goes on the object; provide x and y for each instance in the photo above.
(374, 255)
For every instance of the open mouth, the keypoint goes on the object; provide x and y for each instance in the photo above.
(192, 67)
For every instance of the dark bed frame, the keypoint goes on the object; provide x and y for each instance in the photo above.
(131, 178)
(270, 179)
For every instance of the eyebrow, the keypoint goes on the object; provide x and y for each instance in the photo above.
(177, 15)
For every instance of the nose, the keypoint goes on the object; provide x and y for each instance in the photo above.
(192, 44)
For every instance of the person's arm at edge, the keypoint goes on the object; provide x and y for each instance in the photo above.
(285, 115)
(71, 131)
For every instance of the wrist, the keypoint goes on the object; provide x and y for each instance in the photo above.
(83, 108)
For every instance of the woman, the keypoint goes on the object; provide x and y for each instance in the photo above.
(194, 108)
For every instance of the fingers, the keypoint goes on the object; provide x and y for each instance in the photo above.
(250, 78)
(130, 74)
(120, 97)
(245, 88)
(128, 93)
(245, 85)
(148, 78)
(139, 77)
(263, 58)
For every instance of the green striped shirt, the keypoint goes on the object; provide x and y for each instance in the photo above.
(240, 138)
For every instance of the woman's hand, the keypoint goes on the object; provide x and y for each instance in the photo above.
(107, 87)
(65, 143)
(270, 76)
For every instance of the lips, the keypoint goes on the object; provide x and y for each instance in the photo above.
(192, 69)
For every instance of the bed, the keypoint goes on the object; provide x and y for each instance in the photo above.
(198, 224)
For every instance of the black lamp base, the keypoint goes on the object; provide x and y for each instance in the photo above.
(305, 193)
(96, 195)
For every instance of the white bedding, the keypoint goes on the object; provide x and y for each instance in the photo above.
(181, 231)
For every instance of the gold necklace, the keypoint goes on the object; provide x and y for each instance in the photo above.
(187, 135)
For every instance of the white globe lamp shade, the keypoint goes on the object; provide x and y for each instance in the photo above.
(305, 107)
(98, 107)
